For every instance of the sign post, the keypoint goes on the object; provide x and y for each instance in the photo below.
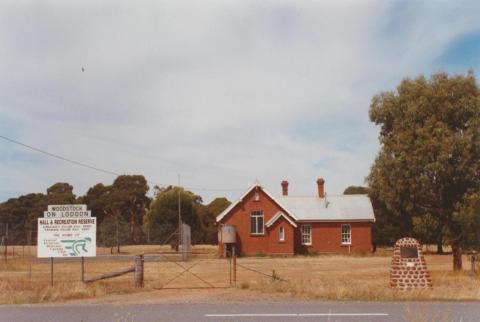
(67, 231)
(82, 270)
(51, 271)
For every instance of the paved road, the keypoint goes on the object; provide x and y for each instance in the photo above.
(287, 311)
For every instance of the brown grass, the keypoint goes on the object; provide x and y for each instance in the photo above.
(362, 278)
(332, 277)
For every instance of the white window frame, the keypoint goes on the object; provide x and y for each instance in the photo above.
(281, 234)
(306, 234)
(346, 237)
(259, 228)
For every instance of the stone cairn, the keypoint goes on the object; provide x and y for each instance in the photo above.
(409, 269)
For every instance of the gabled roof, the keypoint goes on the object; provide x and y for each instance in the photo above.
(256, 185)
(353, 208)
(277, 216)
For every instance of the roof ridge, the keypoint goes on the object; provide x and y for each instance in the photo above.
(336, 195)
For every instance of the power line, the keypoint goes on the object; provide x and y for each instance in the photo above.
(91, 167)
(59, 157)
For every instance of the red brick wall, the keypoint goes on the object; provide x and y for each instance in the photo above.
(275, 246)
(248, 244)
(326, 237)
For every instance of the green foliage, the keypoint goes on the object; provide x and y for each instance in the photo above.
(260, 254)
(310, 252)
(161, 220)
(126, 197)
(386, 229)
(207, 217)
(113, 231)
(97, 200)
(468, 217)
(60, 193)
(430, 146)
(356, 190)
(124, 200)
(21, 213)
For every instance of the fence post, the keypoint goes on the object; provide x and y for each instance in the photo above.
(138, 273)
(230, 271)
(473, 267)
(234, 258)
(5, 239)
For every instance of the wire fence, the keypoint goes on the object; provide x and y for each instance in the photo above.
(164, 269)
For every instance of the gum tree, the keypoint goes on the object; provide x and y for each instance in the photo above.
(429, 163)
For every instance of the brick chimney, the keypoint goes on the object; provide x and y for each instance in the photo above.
(285, 188)
(321, 187)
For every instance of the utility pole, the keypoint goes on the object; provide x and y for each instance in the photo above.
(179, 215)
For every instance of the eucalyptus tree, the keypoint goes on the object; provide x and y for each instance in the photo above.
(429, 163)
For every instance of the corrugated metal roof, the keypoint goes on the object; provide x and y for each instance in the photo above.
(332, 208)
(313, 208)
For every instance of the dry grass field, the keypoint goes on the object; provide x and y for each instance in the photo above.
(332, 277)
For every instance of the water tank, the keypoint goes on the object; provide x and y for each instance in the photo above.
(228, 234)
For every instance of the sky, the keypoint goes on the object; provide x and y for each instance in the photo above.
(218, 94)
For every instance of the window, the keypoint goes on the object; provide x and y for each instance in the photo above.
(306, 235)
(256, 197)
(346, 234)
(281, 234)
(256, 223)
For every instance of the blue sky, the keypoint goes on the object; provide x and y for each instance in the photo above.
(222, 92)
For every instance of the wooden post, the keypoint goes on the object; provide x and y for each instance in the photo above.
(6, 241)
(230, 271)
(82, 270)
(118, 244)
(473, 267)
(51, 271)
(234, 258)
(138, 273)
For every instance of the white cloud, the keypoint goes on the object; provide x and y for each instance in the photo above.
(220, 92)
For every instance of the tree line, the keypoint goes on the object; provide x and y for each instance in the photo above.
(124, 211)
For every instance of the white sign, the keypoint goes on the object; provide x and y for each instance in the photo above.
(67, 235)
(67, 211)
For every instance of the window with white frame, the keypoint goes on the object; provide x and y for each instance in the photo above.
(346, 234)
(281, 233)
(306, 234)
(256, 223)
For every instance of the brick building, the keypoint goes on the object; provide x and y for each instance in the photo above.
(287, 225)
